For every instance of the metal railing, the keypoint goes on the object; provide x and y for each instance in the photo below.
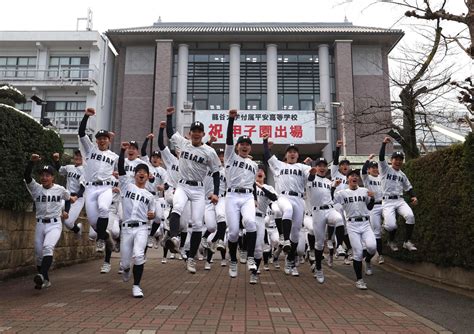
(65, 121)
(60, 73)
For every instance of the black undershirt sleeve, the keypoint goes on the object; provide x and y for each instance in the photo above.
(82, 126)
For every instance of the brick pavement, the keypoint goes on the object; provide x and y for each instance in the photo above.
(83, 301)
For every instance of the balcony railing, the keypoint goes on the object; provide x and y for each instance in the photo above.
(65, 121)
(54, 74)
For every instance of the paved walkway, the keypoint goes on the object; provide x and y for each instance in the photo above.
(83, 301)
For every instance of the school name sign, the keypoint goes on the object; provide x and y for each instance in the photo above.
(283, 126)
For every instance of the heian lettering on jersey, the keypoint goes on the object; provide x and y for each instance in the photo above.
(103, 158)
(192, 157)
(394, 177)
(74, 175)
(342, 180)
(289, 171)
(48, 198)
(175, 168)
(353, 199)
(136, 197)
(244, 165)
(130, 168)
(374, 183)
(316, 184)
(260, 193)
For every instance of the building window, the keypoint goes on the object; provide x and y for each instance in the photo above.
(17, 67)
(208, 81)
(25, 107)
(65, 115)
(298, 81)
(253, 81)
(74, 68)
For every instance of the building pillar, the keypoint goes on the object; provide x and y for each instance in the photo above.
(272, 77)
(325, 98)
(345, 95)
(234, 76)
(182, 84)
(162, 73)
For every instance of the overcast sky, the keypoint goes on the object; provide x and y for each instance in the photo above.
(109, 14)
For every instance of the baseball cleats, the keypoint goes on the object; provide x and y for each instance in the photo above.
(409, 245)
(368, 269)
(311, 255)
(39, 280)
(266, 267)
(163, 260)
(360, 284)
(151, 242)
(251, 265)
(137, 291)
(220, 245)
(340, 251)
(330, 244)
(46, 284)
(172, 244)
(286, 246)
(100, 246)
(381, 259)
(288, 266)
(393, 246)
(319, 275)
(347, 261)
(191, 265)
(207, 266)
(204, 243)
(105, 268)
(243, 257)
(253, 278)
(126, 274)
(267, 248)
(233, 269)
(223, 263)
(330, 261)
(294, 271)
(276, 263)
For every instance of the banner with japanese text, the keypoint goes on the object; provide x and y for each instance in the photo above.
(283, 126)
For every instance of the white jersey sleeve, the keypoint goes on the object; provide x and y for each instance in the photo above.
(275, 165)
(86, 144)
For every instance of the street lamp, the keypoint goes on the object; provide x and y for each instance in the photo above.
(340, 105)
(44, 121)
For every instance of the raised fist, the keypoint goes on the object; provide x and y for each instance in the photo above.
(56, 156)
(35, 157)
(90, 111)
(387, 140)
(150, 136)
(233, 113)
(339, 143)
(170, 111)
(124, 145)
(162, 124)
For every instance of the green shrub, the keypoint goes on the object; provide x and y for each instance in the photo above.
(20, 136)
(444, 185)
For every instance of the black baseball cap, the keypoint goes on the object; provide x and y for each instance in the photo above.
(142, 167)
(320, 161)
(156, 153)
(353, 171)
(398, 154)
(219, 151)
(244, 139)
(344, 161)
(102, 133)
(197, 126)
(47, 169)
(373, 164)
(292, 147)
(261, 166)
(133, 143)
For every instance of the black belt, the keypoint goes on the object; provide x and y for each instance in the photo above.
(258, 214)
(102, 183)
(379, 202)
(47, 220)
(191, 183)
(134, 224)
(292, 193)
(324, 207)
(392, 197)
(240, 190)
(359, 219)
(153, 193)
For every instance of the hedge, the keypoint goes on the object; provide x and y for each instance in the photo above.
(444, 184)
(21, 136)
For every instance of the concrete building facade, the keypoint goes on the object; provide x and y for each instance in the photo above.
(67, 70)
(332, 71)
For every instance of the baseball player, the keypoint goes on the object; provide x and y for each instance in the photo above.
(339, 170)
(371, 179)
(323, 211)
(265, 194)
(99, 181)
(394, 183)
(240, 201)
(75, 186)
(138, 207)
(357, 202)
(48, 199)
(290, 182)
(195, 158)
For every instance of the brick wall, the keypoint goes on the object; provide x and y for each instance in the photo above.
(17, 234)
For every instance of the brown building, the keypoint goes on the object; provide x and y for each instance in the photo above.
(302, 82)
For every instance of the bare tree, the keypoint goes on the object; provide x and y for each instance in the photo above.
(466, 97)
